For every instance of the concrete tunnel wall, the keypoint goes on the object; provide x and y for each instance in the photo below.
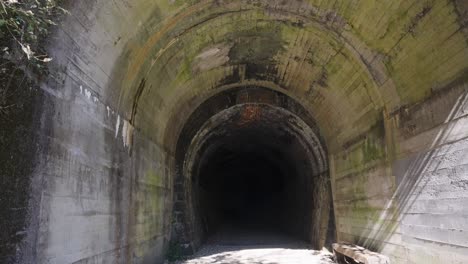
(385, 81)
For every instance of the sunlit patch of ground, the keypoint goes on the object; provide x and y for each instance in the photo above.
(265, 255)
(256, 244)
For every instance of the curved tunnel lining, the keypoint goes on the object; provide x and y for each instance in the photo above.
(257, 160)
(253, 170)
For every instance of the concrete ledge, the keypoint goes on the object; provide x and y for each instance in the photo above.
(358, 254)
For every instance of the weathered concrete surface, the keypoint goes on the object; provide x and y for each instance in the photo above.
(21, 117)
(385, 82)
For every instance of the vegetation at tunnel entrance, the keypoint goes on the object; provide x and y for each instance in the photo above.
(24, 24)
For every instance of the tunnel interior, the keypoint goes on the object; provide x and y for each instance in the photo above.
(242, 185)
(253, 167)
(247, 174)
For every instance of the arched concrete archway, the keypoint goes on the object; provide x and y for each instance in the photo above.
(382, 84)
(251, 156)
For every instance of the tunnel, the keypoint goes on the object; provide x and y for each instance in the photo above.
(251, 163)
(135, 130)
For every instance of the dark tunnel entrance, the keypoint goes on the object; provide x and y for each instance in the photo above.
(253, 172)
(241, 188)
(254, 178)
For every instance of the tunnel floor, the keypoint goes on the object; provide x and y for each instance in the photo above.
(292, 252)
(254, 244)
(254, 235)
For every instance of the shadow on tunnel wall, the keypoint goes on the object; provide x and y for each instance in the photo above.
(439, 146)
(21, 106)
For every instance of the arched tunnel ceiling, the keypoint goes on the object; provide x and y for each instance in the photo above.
(260, 124)
(345, 61)
(253, 109)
